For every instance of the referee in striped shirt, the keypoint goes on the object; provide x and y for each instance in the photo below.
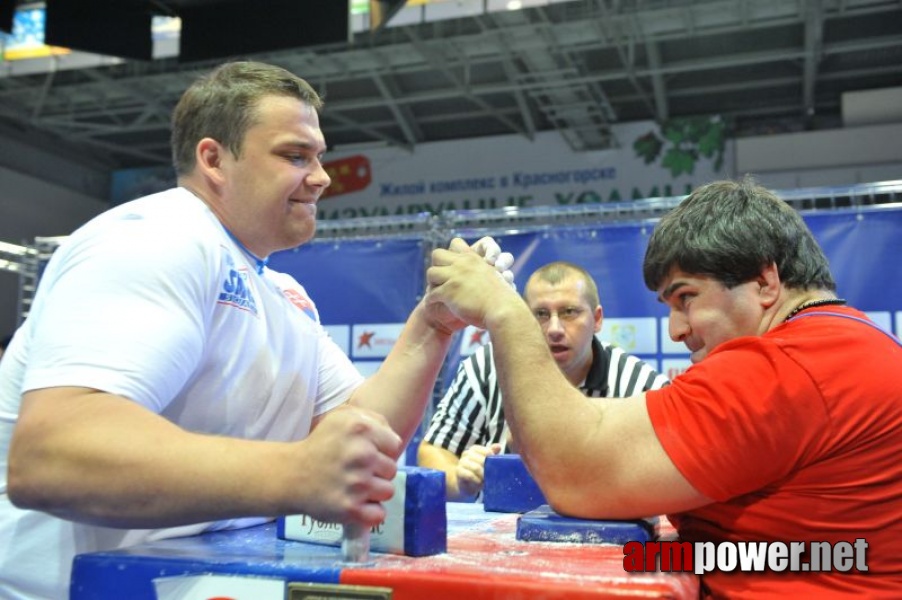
(468, 423)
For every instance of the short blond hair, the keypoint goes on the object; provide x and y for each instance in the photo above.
(556, 272)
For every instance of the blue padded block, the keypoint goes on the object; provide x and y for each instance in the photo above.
(425, 512)
(416, 522)
(508, 487)
(545, 525)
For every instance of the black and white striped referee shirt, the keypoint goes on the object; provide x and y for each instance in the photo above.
(470, 413)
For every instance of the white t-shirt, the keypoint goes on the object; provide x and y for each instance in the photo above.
(153, 300)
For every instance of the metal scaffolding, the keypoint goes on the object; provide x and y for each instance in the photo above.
(436, 229)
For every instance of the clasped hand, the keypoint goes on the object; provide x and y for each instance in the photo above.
(466, 282)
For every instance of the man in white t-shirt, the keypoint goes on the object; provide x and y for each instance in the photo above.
(167, 382)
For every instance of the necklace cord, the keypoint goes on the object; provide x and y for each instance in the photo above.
(813, 303)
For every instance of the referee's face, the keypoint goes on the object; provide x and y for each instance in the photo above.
(568, 321)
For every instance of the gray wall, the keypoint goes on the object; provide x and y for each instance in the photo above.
(835, 157)
(30, 208)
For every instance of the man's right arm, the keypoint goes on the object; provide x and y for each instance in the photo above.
(94, 457)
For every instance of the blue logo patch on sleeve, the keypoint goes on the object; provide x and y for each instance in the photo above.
(236, 292)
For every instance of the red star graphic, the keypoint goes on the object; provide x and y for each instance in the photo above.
(476, 338)
(365, 338)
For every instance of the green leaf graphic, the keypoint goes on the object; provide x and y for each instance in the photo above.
(648, 147)
(687, 139)
(678, 161)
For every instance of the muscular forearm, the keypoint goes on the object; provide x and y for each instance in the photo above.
(539, 403)
(592, 459)
(97, 458)
(404, 382)
(94, 457)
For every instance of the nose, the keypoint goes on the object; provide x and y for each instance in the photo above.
(554, 327)
(319, 177)
(677, 326)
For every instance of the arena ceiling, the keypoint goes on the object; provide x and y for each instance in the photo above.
(576, 67)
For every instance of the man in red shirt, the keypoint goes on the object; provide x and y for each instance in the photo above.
(785, 429)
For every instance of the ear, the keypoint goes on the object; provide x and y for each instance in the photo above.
(769, 285)
(599, 314)
(208, 156)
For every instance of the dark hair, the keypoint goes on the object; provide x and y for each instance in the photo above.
(556, 272)
(4, 341)
(222, 105)
(731, 230)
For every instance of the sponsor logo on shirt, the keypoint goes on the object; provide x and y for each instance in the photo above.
(236, 291)
(302, 302)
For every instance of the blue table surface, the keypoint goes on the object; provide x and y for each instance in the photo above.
(477, 540)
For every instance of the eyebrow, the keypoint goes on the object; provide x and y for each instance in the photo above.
(304, 145)
(669, 290)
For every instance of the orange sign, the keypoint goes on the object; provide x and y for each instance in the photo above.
(350, 174)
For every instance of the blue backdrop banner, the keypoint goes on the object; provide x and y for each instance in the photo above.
(365, 289)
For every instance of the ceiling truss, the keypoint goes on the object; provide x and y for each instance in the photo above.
(575, 67)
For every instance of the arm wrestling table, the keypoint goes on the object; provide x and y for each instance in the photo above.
(484, 561)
